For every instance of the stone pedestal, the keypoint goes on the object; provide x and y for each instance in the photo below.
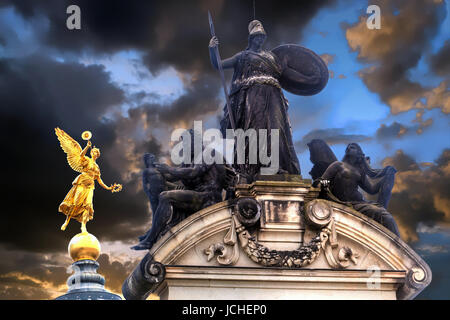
(201, 282)
(281, 225)
(277, 240)
(86, 284)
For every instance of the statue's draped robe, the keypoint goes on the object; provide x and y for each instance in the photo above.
(80, 198)
(260, 104)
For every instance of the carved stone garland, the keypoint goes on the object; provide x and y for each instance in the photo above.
(247, 213)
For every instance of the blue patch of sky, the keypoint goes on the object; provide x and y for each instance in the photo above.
(444, 31)
(353, 106)
(428, 146)
(344, 103)
(347, 103)
(421, 73)
(442, 237)
(425, 147)
(128, 72)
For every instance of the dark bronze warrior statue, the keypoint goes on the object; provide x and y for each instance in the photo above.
(201, 186)
(256, 97)
(343, 178)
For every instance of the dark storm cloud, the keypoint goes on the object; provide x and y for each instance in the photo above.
(170, 32)
(330, 136)
(407, 30)
(420, 195)
(198, 100)
(115, 272)
(402, 162)
(39, 94)
(440, 62)
(38, 276)
(16, 290)
(394, 130)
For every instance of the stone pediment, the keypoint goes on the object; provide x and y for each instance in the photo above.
(278, 241)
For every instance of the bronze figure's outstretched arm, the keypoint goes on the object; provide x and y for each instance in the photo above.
(331, 171)
(180, 173)
(379, 181)
(369, 186)
(226, 63)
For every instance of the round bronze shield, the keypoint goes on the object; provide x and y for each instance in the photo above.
(304, 72)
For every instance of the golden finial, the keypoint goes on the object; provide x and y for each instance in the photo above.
(84, 246)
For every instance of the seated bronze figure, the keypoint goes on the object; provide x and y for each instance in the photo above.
(199, 186)
(344, 178)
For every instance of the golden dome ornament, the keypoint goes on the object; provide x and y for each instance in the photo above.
(84, 246)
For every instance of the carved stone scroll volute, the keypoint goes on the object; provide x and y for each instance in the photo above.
(145, 278)
(247, 211)
(319, 214)
(228, 251)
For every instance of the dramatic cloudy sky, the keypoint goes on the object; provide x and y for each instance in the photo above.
(138, 69)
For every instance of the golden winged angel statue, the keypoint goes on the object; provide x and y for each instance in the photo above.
(78, 202)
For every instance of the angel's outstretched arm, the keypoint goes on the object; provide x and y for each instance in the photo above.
(101, 183)
(83, 153)
(182, 173)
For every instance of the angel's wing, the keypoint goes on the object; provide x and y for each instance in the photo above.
(321, 156)
(72, 148)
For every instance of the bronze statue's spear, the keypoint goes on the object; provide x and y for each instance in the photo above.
(222, 76)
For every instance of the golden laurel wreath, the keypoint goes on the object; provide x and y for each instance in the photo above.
(116, 187)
